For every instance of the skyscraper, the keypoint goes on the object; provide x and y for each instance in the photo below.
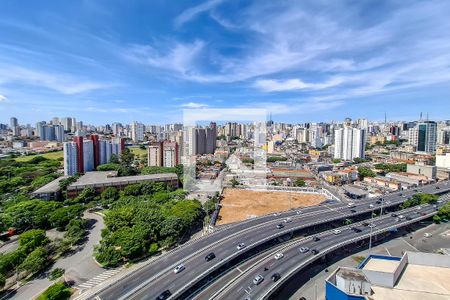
(88, 156)
(80, 155)
(349, 142)
(70, 159)
(424, 136)
(137, 132)
(170, 154)
(96, 149)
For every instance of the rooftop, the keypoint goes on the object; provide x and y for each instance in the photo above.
(94, 178)
(381, 265)
(51, 187)
(417, 282)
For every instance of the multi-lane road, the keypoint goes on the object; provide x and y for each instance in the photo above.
(293, 260)
(151, 280)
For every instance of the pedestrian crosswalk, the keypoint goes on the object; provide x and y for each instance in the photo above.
(98, 279)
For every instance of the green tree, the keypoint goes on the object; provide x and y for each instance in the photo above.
(209, 206)
(76, 230)
(2, 281)
(114, 159)
(56, 273)
(58, 291)
(365, 172)
(36, 261)
(32, 239)
(63, 215)
(299, 182)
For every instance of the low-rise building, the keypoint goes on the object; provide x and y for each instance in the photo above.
(413, 276)
(99, 181)
(50, 191)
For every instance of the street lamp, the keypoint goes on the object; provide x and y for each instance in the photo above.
(370, 235)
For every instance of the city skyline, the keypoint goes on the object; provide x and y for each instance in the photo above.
(147, 62)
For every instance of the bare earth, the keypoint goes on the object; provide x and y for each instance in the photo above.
(239, 205)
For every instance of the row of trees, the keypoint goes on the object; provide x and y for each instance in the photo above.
(144, 218)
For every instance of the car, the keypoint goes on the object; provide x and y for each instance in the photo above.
(351, 205)
(336, 231)
(438, 188)
(372, 225)
(287, 220)
(276, 214)
(164, 295)
(356, 229)
(352, 211)
(408, 218)
(371, 206)
(275, 277)
(210, 256)
(299, 212)
(240, 246)
(314, 251)
(365, 224)
(278, 256)
(179, 268)
(316, 238)
(258, 279)
(419, 207)
(378, 202)
(280, 226)
(303, 249)
(394, 215)
(427, 235)
(401, 217)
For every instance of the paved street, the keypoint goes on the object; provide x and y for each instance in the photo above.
(80, 267)
(314, 288)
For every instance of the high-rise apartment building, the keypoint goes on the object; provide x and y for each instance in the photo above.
(70, 159)
(78, 140)
(137, 132)
(349, 142)
(155, 155)
(424, 136)
(88, 156)
(96, 149)
(170, 154)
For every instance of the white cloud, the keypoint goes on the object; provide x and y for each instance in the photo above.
(3, 98)
(270, 85)
(192, 12)
(179, 57)
(59, 82)
(194, 105)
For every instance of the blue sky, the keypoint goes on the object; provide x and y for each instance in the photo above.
(105, 61)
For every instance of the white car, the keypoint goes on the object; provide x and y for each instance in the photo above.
(179, 268)
(336, 231)
(427, 235)
(419, 207)
(299, 212)
(240, 246)
(371, 206)
(401, 217)
(278, 256)
(303, 249)
(351, 205)
(258, 279)
(287, 220)
(371, 225)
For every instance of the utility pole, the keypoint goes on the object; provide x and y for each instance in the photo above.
(370, 236)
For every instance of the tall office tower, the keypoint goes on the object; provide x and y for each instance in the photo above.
(74, 125)
(190, 141)
(117, 129)
(302, 135)
(78, 140)
(314, 136)
(67, 123)
(88, 155)
(155, 155)
(70, 159)
(55, 121)
(60, 136)
(424, 136)
(349, 142)
(137, 132)
(201, 140)
(211, 139)
(96, 149)
(14, 125)
(79, 125)
(170, 154)
(443, 136)
(39, 129)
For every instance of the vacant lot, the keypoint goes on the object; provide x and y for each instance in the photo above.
(239, 205)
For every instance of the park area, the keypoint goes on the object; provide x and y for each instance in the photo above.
(240, 204)
(48, 155)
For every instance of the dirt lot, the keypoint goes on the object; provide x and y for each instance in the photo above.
(239, 205)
